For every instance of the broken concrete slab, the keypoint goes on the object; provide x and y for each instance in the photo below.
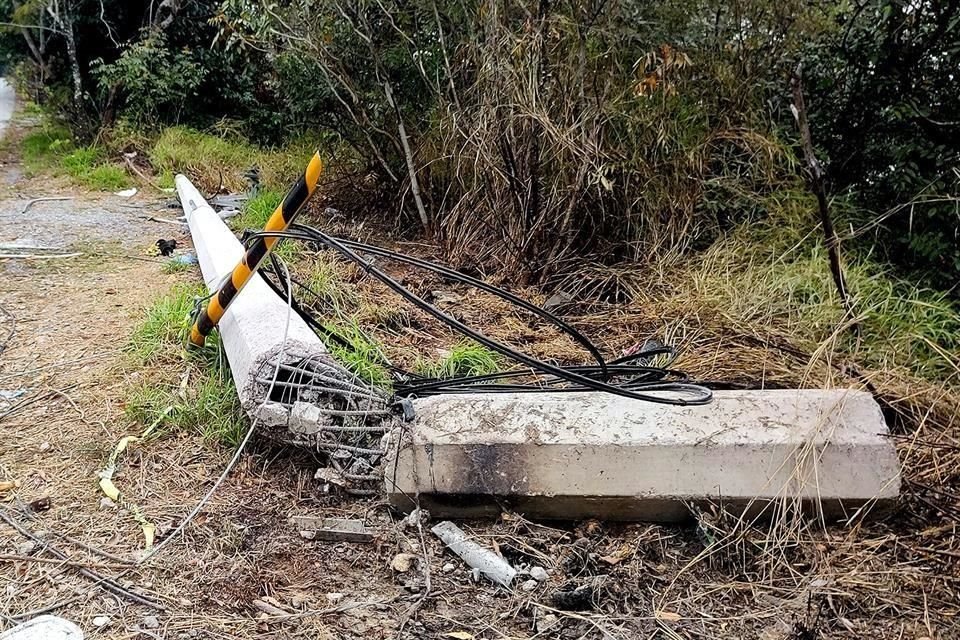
(332, 529)
(584, 455)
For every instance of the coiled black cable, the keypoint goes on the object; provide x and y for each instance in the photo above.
(622, 377)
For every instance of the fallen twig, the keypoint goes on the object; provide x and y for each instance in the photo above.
(30, 203)
(36, 256)
(106, 583)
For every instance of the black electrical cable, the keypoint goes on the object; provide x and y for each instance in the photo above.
(620, 377)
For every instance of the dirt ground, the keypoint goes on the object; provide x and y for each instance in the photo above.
(240, 570)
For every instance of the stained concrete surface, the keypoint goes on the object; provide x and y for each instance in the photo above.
(580, 455)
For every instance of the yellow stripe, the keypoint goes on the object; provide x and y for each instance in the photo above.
(312, 174)
(242, 273)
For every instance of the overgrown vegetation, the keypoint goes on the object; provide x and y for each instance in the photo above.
(533, 136)
(185, 391)
(51, 148)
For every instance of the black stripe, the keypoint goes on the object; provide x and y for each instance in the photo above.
(255, 254)
(204, 325)
(226, 293)
(295, 199)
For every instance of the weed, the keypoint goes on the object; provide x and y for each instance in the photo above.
(164, 329)
(256, 212)
(39, 148)
(176, 266)
(204, 400)
(221, 160)
(465, 359)
(331, 291)
(207, 405)
(364, 356)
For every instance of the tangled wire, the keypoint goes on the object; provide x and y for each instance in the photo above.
(632, 376)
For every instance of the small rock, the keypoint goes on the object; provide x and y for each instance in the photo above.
(539, 574)
(150, 622)
(334, 598)
(402, 562)
(546, 622)
(101, 621)
(26, 548)
(308, 535)
(530, 585)
(107, 503)
(44, 446)
(449, 568)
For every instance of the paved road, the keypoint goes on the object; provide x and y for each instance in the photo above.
(7, 100)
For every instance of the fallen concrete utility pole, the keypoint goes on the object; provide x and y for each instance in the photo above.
(245, 269)
(585, 455)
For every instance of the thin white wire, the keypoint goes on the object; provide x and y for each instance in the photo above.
(246, 438)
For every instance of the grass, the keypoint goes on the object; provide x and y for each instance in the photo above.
(255, 214)
(51, 148)
(777, 277)
(195, 386)
(364, 356)
(213, 160)
(467, 358)
(164, 329)
(176, 266)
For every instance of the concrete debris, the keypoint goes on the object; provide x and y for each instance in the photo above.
(332, 529)
(416, 517)
(101, 621)
(595, 455)
(26, 548)
(481, 559)
(557, 300)
(547, 622)
(539, 574)
(403, 562)
(44, 628)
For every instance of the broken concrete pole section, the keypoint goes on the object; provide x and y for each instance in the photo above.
(585, 455)
(254, 328)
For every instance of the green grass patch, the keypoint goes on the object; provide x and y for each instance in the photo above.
(185, 391)
(467, 358)
(776, 276)
(364, 356)
(41, 148)
(208, 406)
(212, 159)
(51, 148)
(255, 214)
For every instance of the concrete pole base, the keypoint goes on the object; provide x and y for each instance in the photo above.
(586, 455)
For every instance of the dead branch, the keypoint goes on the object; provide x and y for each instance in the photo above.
(818, 187)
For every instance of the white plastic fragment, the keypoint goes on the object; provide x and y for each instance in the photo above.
(488, 563)
(44, 628)
(126, 193)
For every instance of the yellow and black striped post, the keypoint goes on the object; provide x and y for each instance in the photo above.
(281, 218)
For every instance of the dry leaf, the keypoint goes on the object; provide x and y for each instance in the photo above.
(7, 485)
(668, 616)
